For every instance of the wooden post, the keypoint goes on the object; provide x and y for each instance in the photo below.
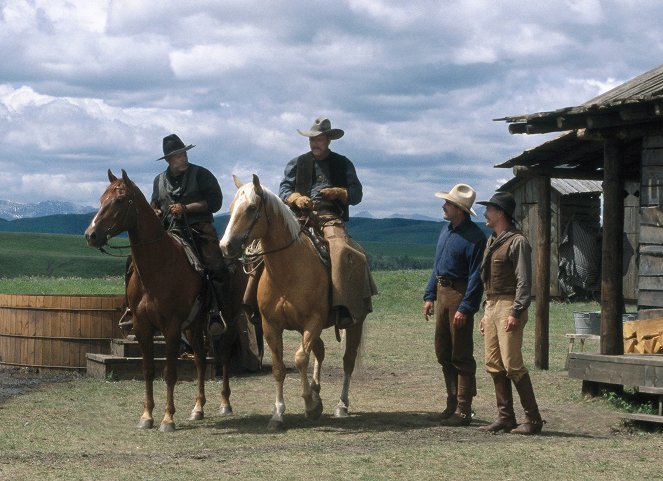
(612, 298)
(541, 330)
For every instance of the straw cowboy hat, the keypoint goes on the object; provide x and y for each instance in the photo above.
(503, 201)
(173, 145)
(322, 125)
(461, 195)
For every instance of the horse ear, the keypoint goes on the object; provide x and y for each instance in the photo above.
(256, 184)
(238, 183)
(125, 177)
(111, 177)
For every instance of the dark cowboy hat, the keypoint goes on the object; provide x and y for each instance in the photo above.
(321, 126)
(173, 145)
(503, 201)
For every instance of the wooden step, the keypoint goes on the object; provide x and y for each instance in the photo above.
(130, 348)
(108, 366)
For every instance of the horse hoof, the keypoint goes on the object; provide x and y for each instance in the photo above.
(315, 413)
(341, 411)
(167, 427)
(225, 410)
(196, 416)
(275, 426)
(145, 424)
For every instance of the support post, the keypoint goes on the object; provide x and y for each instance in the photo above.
(541, 331)
(612, 297)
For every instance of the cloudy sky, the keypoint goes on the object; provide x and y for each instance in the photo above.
(87, 85)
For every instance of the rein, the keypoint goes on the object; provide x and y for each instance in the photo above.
(128, 246)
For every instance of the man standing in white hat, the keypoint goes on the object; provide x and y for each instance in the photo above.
(455, 284)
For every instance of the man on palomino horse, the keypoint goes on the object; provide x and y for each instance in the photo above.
(455, 284)
(185, 196)
(326, 182)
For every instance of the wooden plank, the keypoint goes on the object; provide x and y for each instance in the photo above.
(650, 265)
(652, 142)
(649, 418)
(650, 298)
(651, 234)
(651, 194)
(625, 370)
(650, 313)
(652, 283)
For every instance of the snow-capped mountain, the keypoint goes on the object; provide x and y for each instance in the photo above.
(14, 210)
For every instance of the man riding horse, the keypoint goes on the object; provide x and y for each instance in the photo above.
(326, 182)
(185, 196)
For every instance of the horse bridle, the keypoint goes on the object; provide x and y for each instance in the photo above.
(124, 217)
(248, 258)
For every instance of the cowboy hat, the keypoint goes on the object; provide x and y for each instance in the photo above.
(503, 201)
(322, 125)
(173, 145)
(461, 195)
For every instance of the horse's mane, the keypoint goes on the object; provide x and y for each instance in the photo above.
(275, 207)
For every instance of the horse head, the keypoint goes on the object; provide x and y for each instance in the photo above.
(247, 217)
(117, 213)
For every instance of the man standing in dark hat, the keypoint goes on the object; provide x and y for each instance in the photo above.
(327, 182)
(455, 285)
(506, 272)
(185, 196)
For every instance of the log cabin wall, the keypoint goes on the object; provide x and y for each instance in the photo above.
(650, 281)
(631, 240)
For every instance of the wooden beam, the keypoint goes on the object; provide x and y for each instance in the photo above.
(541, 330)
(612, 299)
(559, 173)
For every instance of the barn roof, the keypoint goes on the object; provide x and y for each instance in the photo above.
(637, 101)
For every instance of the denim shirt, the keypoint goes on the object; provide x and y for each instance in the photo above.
(458, 255)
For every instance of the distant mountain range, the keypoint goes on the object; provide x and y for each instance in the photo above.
(392, 230)
(14, 210)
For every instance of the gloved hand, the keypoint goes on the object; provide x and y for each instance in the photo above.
(335, 193)
(300, 201)
(177, 210)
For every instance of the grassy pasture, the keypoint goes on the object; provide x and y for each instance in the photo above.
(81, 428)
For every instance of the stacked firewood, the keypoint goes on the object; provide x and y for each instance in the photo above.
(644, 336)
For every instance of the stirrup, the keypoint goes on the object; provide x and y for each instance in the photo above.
(216, 325)
(126, 322)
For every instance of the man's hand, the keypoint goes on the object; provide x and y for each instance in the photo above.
(429, 309)
(512, 324)
(459, 320)
(300, 201)
(177, 210)
(335, 193)
(481, 326)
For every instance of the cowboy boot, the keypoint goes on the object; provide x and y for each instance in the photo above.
(451, 382)
(506, 418)
(463, 414)
(534, 423)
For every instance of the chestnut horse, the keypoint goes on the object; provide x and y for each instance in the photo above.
(163, 294)
(293, 293)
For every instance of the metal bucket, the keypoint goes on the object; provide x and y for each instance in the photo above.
(587, 322)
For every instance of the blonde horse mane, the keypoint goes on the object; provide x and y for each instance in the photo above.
(275, 207)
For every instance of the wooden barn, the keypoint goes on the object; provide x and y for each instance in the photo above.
(570, 200)
(616, 138)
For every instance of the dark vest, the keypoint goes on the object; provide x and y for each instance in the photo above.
(337, 172)
(502, 278)
(186, 193)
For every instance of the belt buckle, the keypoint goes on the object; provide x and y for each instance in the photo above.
(444, 282)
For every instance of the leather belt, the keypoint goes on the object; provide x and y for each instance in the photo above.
(449, 282)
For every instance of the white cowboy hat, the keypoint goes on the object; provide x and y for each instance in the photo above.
(321, 126)
(461, 195)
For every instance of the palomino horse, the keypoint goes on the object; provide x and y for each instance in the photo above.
(163, 293)
(293, 292)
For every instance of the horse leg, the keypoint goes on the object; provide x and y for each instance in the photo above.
(352, 342)
(200, 361)
(146, 342)
(310, 391)
(274, 339)
(170, 376)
